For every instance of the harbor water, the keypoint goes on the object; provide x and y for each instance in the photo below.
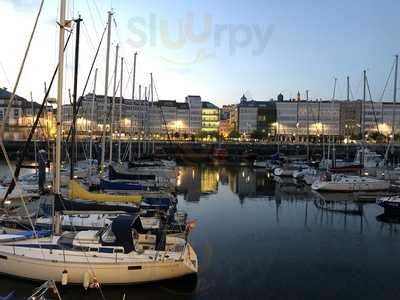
(257, 238)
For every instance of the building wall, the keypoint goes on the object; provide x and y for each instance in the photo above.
(247, 119)
(210, 119)
(195, 113)
(322, 118)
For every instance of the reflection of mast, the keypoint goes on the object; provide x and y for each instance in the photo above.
(278, 202)
(306, 215)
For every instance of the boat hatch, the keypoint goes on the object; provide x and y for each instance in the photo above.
(133, 268)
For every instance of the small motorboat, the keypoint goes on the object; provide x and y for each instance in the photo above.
(391, 204)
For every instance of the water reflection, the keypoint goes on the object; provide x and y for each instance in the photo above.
(195, 181)
(259, 236)
(285, 196)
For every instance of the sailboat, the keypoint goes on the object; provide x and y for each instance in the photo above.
(344, 183)
(121, 253)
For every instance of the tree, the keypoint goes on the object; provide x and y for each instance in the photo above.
(257, 135)
(234, 134)
(377, 137)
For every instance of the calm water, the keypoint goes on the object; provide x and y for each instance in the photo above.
(256, 238)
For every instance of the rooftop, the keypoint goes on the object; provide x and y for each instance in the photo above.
(254, 103)
(206, 104)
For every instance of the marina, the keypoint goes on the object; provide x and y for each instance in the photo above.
(291, 232)
(114, 187)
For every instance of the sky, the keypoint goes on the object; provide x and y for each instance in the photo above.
(219, 50)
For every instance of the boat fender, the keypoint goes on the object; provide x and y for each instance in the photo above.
(94, 284)
(64, 278)
(86, 280)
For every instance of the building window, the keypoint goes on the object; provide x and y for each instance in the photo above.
(16, 112)
(1, 114)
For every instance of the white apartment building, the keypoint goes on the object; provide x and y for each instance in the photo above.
(319, 117)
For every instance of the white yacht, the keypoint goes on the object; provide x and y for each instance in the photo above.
(289, 169)
(343, 183)
(371, 159)
(122, 253)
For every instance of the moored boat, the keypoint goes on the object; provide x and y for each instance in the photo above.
(343, 183)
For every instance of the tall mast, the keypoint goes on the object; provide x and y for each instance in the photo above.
(113, 102)
(152, 100)
(308, 126)
(105, 103)
(134, 76)
(363, 117)
(394, 103)
(34, 140)
(120, 109)
(60, 80)
(140, 92)
(334, 89)
(346, 127)
(92, 119)
(76, 69)
(145, 121)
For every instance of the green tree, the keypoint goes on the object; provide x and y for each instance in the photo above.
(258, 135)
(234, 134)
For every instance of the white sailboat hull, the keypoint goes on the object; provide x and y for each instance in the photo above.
(105, 270)
(350, 186)
(283, 172)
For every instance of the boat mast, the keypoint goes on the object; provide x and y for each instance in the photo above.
(113, 102)
(92, 122)
(145, 122)
(139, 121)
(134, 76)
(363, 119)
(152, 100)
(120, 109)
(394, 104)
(57, 182)
(105, 104)
(308, 126)
(34, 140)
(74, 108)
(346, 127)
(334, 89)
(133, 102)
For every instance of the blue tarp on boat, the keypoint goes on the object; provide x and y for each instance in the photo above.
(157, 202)
(28, 234)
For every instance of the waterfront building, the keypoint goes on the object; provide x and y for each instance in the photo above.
(255, 115)
(209, 117)
(22, 116)
(138, 117)
(195, 117)
(228, 120)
